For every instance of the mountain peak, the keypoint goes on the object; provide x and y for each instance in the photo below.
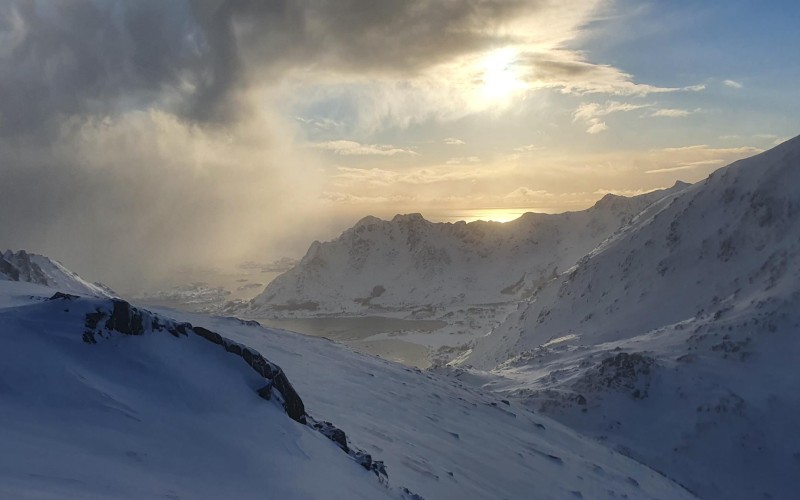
(42, 270)
(415, 217)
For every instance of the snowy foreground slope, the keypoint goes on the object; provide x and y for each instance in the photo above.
(99, 399)
(677, 341)
(94, 411)
(378, 266)
(35, 268)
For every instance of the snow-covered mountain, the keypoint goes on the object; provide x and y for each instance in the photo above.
(677, 340)
(101, 399)
(378, 266)
(35, 268)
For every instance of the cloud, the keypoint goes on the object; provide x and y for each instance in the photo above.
(357, 177)
(625, 192)
(452, 141)
(672, 169)
(527, 196)
(596, 126)
(570, 72)
(463, 160)
(130, 198)
(144, 135)
(590, 113)
(697, 157)
(353, 148)
(587, 111)
(528, 148)
(672, 113)
(351, 199)
(733, 84)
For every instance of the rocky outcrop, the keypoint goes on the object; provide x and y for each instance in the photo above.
(118, 316)
(18, 267)
(38, 269)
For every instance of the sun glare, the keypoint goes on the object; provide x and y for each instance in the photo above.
(500, 75)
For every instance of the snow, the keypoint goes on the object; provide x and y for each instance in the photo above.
(37, 268)
(147, 416)
(410, 263)
(154, 415)
(676, 340)
(470, 275)
(442, 438)
(660, 364)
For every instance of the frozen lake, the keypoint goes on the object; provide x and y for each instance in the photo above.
(356, 332)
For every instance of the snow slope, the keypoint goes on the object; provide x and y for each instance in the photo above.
(677, 340)
(151, 415)
(409, 262)
(440, 437)
(100, 399)
(35, 268)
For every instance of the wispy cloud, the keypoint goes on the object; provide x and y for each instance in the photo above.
(673, 112)
(463, 160)
(528, 148)
(353, 148)
(698, 156)
(625, 192)
(672, 169)
(596, 126)
(452, 141)
(733, 84)
(527, 196)
(355, 177)
(591, 112)
(570, 72)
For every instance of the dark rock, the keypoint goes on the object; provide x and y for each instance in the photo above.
(63, 296)
(19, 267)
(93, 319)
(125, 319)
(336, 435)
(266, 391)
(408, 495)
(208, 335)
(8, 269)
(129, 320)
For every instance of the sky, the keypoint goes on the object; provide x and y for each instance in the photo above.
(140, 137)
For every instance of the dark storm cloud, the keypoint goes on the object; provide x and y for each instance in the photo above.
(116, 116)
(86, 56)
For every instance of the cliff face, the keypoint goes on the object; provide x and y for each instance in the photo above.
(409, 262)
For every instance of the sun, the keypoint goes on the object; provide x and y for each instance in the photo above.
(500, 75)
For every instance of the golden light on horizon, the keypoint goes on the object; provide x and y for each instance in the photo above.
(501, 215)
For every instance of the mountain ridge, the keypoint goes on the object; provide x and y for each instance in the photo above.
(674, 339)
(408, 262)
(42, 270)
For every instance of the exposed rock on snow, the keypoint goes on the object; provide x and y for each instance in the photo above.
(123, 318)
(34, 268)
